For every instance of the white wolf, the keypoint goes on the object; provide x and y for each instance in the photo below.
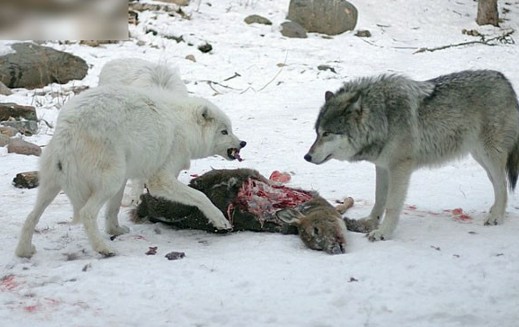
(142, 74)
(401, 125)
(111, 133)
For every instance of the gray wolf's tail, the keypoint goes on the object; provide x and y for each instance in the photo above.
(512, 163)
(512, 166)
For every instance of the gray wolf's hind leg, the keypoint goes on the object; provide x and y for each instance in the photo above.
(494, 165)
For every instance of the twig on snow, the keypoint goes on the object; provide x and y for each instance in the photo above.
(500, 38)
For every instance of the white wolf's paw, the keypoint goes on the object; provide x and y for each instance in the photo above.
(105, 251)
(491, 220)
(221, 223)
(117, 230)
(377, 235)
(131, 200)
(24, 251)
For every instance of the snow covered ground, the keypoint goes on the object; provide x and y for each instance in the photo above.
(438, 270)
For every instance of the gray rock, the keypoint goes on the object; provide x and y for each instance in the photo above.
(363, 33)
(177, 2)
(26, 127)
(257, 19)
(27, 179)
(329, 17)
(4, 90)
(326, 67)
(33, 66)
(8, 131)
(12, 110)
(4, 140)
(293, 30)
(23, 147)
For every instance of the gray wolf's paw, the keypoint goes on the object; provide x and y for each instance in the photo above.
(117, 230)
(364, 225)
(491, 220)
(377, 235)
(25, 251)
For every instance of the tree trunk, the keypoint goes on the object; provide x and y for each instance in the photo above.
(487, 13)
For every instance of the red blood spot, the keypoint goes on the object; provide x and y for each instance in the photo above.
(31, 308)
(8, 283)
(280, 177)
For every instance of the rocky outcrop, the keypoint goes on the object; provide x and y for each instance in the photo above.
(329, 17)
(32, 66)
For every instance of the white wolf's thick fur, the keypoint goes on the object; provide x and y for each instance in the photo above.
(142, 74)
(111, 133)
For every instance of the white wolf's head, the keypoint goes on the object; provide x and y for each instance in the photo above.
(216, 129)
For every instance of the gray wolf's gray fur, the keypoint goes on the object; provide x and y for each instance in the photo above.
(400, 125)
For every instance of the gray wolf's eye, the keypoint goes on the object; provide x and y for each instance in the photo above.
(325, 134)
(225, 132)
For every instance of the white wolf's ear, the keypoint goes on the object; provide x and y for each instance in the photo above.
(328, 95)
(204, 115)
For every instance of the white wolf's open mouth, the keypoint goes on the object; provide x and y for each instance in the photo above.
(234, 153)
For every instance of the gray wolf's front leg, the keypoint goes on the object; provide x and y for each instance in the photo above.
(372, 221)
(398, 181)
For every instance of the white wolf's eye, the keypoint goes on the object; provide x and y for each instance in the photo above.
(225, 132)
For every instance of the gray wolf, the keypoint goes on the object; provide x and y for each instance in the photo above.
(142, 74)
(254, 203)
(111, 133)
(400, 125)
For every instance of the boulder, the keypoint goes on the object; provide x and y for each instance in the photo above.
(25, 127)
(8, 131)
(329, 17)
(257, 19)
(27, 179)
(4, 90)
(16, 111)
(4, 140)
(20, 146)
(32, 66)
(293, 30)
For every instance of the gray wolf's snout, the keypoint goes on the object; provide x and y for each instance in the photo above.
(308, 157)
(243, 144)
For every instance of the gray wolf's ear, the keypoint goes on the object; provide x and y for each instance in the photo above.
(356, 105)
(205, 115)
(328, 95)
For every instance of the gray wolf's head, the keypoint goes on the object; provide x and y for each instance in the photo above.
(348, 128)
(217, 133)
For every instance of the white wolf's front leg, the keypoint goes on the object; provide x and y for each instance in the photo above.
(171, 189)
(398, 182)
(134, 196)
